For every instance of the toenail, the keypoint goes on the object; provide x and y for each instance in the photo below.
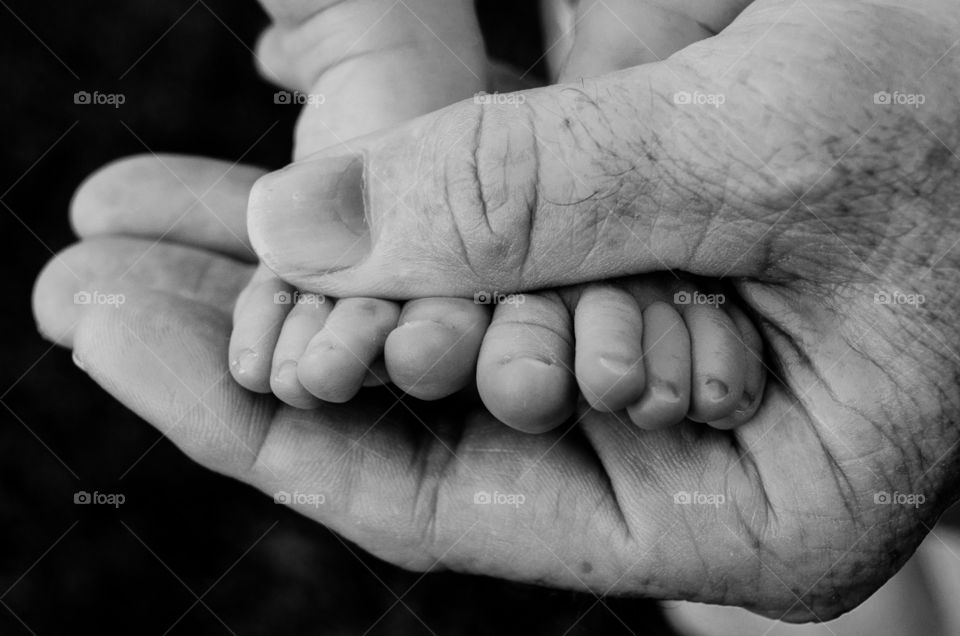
(244, 361)
(540, 361)
(77, 361)
(433, 324)
(615, 365)
(287, 370)
(665, 392)
(745, 403)
(716, 390)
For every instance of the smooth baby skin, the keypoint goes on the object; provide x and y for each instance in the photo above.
(526, 376)
(368, 65)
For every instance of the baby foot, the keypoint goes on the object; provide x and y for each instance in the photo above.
(662, 350)
(380, 64)
(658, 349)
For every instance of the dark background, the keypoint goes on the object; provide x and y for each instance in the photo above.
(183, 532)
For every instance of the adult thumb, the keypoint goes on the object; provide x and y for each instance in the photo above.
(637, 171)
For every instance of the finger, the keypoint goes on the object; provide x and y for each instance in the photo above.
(189, 200)
(472, 198)
(433, 351)
(609, 341)
(666, 353)
(94, 270)
(340, 355)
(525, 369)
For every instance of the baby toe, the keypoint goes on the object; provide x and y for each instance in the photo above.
(257, 320)
(524, 372)
(433, 352)
(666, 354)
(718, 359)
(304, 321)
(338, 358)
(609, 367)
(755, 372)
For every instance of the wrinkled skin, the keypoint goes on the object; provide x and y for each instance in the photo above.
(863, 397)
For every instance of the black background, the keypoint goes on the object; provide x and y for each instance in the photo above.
(68, 569)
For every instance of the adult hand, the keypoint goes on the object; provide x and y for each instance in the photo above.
(793, 529)
(807, 150)
(863, 406)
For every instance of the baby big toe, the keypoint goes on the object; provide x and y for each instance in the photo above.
(433, 352)
(524, 371)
